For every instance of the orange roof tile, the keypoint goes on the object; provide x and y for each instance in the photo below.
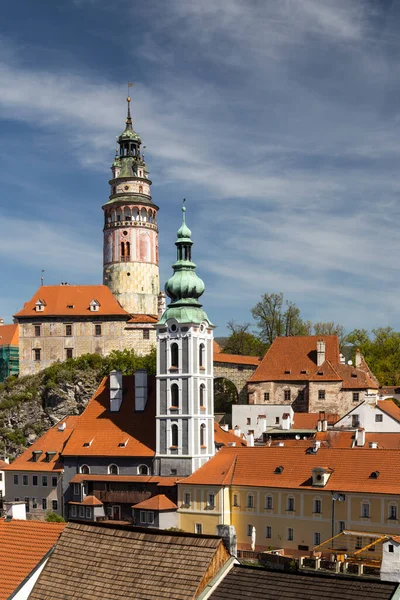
(52, 441)
(225, 437)
(216, 347)
(9, 335)
(297, 354)
(326, 372)
(23, 545)
(104, 430)
(158, 480)
(89, 501)
(310, 420)
(160, 502)
(3, 464)
(390, 408)
(236, 359)
(58, 298)
(255, 466)
(355, 378)
(143, 319)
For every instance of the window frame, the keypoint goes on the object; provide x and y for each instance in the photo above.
(269, 503)
(54, 481)
(111, 467)
(150, 517)
(250, 501)
(356, 397)
(287, 395)
(142, 516)
(97, 330)
(37, 330)
(321, 395)
(44, 503)
(316, 538)
(73, 511)
(317, 505)
(68, 332)
(54, 505)
(266, 396)
(378, 418)
(25, 479)
(45, 481)
(174, 355)
(291, 506)
(37, 354)
(268, 532)
(365, 510)
(198, 528)
(290, 534)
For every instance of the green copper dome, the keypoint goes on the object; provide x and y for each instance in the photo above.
(129, 133)
(184, 287)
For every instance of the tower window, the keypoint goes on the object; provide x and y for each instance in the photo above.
(174, 395)
(202, 435)
(174, 435)
(201, 356)
(202, 395)
(174, 356)
(140, 189)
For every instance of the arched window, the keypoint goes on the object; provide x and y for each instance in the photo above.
(113, 470)
(201, 356)
(85, 470)
(118, 216)
(174, 435)
(140, 189)
(174, 355)
(127, 214)
(122, 249)
(143, 215)
(143, 470)
(128, 248)
(202, 435)
(202, 395)
(175, 395)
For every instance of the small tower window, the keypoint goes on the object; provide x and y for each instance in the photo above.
(202, 435)
(174, 395)
(85, 470)
(174, 435)
(128, 248)
(202, 395)
(174, 356)
(140, 189)
(201, 356)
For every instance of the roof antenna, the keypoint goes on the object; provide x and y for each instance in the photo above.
(42, 278)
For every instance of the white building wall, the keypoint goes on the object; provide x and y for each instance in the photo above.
(367, 412)
(259, 417)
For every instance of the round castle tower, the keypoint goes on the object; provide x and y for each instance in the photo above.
(130, 229)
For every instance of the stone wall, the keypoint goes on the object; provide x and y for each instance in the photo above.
(276, 389)
(237, 374)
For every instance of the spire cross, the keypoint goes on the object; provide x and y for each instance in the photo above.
(129, 103)
(183, 211)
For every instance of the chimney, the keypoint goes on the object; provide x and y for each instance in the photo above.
(250, 439)
(225, 427)
(286, 421)
(316, 446)
(358, 359)
(115, 391)
(342, 359)
(161, 304)
(1, 322)
(281, 444)
(62, 426)
(237, 431)
(228, 535)
(360, 437)
(140, 389)
(319, 425)
(320, 352)
(325, 425)
(15, 510)
(263, 423)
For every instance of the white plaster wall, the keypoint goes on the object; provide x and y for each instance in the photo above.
(366, 413)
(390, 566)
(254, 412)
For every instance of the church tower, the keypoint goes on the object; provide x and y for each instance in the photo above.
(130, 229)
(185, 396)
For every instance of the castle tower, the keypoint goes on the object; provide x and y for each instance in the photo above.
(130, 229)
(185, 395)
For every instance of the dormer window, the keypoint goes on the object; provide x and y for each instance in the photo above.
(374, 475)
(87, 444)
(94, 305)
(320, 476)
(39, 305)
(303, 372)
(287, 371)
(70, 306)
(278, 470)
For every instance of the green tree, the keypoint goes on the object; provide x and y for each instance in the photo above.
(381, 350)
(52, 517)
(241, 341)
(331, 328)
(276, 317)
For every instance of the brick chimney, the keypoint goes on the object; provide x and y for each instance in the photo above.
(358, 359)
(320, 352)
(15, 510)
(228, 535)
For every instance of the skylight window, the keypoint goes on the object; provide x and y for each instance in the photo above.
(278, 470)
(70, 306)
(122, 444)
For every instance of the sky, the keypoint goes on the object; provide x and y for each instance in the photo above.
(279, 121)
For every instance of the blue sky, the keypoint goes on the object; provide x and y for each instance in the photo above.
(278, 121)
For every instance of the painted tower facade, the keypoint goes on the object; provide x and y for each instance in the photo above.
(130, 229)
(185, 396)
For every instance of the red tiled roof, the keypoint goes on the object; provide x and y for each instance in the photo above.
(216, 347)
(9, 335)
(236, 359)
(51, 441)
(23, 545)
(143, 319)
(390, 408)
(255, 466)
(89, 501)
(3, 464)
(295, 354)
(58, 298)
(105, 430)
(310, 420)
(158, 480)
(225, 437)
(160, 502)
(355, 378)
(326, 372)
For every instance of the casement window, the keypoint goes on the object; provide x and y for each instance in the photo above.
(150, 517)
(85, 470)
(143, 470)
(36, 354)
(34, 480)
(69, 353)
(355, 420)
(277, 420)
(54, 482)
(54, 505)
(356, 396)
(249, 529)
(266, 396)
(88, 512)
(37, 330)
(68, 329)
(97, 330)
(211, 500)
(321, 394)
(393, 512)
(82, 511)
(268, 531)
(34, 503)
(142, 516)
(174, 395)
(378, 418)
(44, 480)
(250, 501)
(290, 504)
(15, 479)
(365, 513)
(287, 395)
(235, 500)
(27, 504)
(269, 503)
(73, 512)
(198, 528)
(77, 489)
(317, 506)
(146, 334)
(24, 479)
(113, 470)
(317, 538)
(290, 534)
(186, 499)
(44, 503)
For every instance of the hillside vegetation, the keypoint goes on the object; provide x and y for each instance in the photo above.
(30, 405)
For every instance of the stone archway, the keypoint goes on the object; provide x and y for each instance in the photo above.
(235, 371)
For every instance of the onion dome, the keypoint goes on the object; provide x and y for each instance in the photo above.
(184, 287)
